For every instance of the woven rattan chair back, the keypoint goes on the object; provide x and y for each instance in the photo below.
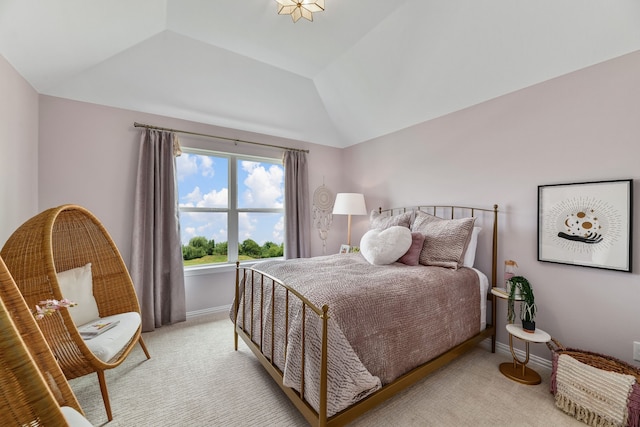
(60, 239)
(32, 386)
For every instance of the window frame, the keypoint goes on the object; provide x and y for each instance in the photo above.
(232, 210)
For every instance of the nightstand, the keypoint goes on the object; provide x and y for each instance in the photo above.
(502, 293)
(518, 370)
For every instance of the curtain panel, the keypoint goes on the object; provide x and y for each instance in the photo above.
(297, 210)
(156, 262)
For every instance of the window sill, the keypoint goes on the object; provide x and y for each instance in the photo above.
(219, 268)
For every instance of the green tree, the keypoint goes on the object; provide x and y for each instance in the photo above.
(211, 246)
(272, 250)
(198, 247)
(199, 242)
(220, 248)
(191, 252)
(250, 248)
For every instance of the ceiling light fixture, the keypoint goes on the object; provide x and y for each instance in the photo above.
(300, 8)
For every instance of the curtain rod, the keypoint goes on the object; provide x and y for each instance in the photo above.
(142, 125)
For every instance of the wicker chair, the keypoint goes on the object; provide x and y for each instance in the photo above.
(32, 385)
(60, 239)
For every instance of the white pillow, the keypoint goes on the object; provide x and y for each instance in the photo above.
(77, 285)
(381, 247)
(111, 342)
(470, 254)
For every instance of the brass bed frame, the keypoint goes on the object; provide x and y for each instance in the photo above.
(319, 418)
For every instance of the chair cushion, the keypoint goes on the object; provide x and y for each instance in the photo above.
(77, 285)
(74, 418)
(106, 345)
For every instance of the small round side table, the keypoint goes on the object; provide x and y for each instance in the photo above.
(518, 370)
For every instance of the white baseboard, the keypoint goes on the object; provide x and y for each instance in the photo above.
(222, 311)
(502, 348)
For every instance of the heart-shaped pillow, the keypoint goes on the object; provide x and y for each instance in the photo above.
(381, 247)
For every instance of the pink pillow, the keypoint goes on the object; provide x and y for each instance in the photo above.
(412, 257)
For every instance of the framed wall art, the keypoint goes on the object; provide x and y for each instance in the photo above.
(348, 249)
(586, 224)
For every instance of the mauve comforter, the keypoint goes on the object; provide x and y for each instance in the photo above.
(384, 321)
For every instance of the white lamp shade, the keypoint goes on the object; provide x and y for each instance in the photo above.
(349, 204)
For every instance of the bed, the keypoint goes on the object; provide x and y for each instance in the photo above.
(342, 333)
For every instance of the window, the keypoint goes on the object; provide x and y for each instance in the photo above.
(231, 207)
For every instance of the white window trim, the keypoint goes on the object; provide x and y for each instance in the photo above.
(232, 219)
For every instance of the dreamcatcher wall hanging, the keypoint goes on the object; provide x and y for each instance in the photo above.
(322, 217)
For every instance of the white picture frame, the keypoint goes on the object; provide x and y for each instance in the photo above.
(587, 224)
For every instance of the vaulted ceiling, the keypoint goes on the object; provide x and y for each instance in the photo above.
(361, 69)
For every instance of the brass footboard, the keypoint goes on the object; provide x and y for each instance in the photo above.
(247, 280)
(246, 294)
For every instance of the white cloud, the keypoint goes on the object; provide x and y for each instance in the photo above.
(248, 166)
(189, 232)
(278, 230)
(212, 199)
(186, 165)
(192, 199)
(206, 167)
(205, 224)
(215, 199)
(246, 227)
(264, 185)
(193, 164)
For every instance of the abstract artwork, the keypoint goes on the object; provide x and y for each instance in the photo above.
(587, 224)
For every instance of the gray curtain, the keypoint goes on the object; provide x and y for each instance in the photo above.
(156, 260)
(297, 211)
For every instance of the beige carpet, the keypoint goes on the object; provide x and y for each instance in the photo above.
(195, 378)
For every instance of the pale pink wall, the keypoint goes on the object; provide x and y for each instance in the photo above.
(580, 127)
(19, 148)
(89, 157)
(584, 126)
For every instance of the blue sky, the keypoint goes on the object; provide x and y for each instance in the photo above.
(203, 182)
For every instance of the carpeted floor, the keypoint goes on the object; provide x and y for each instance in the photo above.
(195, 378)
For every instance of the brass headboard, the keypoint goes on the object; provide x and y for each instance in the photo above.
(488, 215)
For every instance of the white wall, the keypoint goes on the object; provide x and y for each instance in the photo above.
(19, 150)
(580, 127)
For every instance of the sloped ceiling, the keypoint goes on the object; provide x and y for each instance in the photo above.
(362, 69)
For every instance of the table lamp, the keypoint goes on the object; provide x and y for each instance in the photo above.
(349, 204)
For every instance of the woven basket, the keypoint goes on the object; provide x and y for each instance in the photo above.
(599, 390)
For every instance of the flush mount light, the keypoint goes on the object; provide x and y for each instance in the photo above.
(300, 8)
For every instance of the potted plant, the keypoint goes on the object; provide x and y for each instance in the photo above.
(521, 286)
